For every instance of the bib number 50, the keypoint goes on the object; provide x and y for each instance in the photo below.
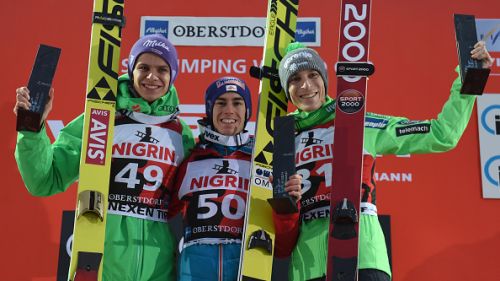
(210, 209)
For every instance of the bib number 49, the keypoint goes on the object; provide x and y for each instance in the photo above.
(151, 173)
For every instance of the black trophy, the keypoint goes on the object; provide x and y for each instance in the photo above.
(283, 164)
(473, 75)
(39, 86)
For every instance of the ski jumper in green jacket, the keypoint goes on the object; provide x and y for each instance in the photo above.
(305, 235)
(137, 246)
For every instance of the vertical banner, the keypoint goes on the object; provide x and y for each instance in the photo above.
(488, 110)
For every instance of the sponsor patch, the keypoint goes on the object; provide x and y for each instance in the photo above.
(306, 31)
(153, 26)
(231, 88)
(376, 123)
(350, 101)
(409, 122)
(98, 136)
(413, 129)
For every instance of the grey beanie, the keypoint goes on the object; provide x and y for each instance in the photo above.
(300, 58)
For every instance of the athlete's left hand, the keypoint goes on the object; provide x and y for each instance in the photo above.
(480, 53)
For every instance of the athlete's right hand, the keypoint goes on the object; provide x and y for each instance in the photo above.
(481, 53)
(23, 101)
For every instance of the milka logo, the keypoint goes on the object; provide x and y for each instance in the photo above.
(304, 32)
(156, 43)
(154, 30)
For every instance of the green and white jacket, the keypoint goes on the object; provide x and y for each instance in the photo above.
(149, 144)
(305, 235)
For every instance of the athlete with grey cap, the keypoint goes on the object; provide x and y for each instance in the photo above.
(304, 236)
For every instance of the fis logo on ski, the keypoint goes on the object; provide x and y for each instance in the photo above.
(156, 27)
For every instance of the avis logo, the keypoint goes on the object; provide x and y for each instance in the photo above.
(97, 138)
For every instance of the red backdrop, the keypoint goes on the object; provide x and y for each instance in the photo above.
(442, 229)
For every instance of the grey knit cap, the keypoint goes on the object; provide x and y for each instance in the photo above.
(299, 59)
